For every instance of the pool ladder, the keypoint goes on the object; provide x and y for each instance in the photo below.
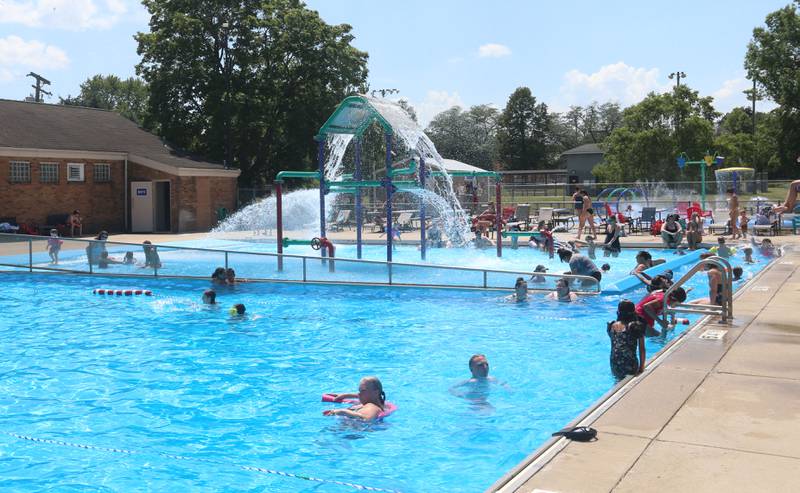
(725, 311)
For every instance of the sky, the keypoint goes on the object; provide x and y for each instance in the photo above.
(440, 53)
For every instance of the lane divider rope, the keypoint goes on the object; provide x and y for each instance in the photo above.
(62, 443)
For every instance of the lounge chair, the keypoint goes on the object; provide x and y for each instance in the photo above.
(342, 220)
(521, 219)
(403, 222)
(647, 218)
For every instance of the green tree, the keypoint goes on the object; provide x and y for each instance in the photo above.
(523, 132)
(579, 125)
(649, 138)
(262, 75)
(772, 59)
(467, 136)
(736, 142)
(412, 113)
(127, 97)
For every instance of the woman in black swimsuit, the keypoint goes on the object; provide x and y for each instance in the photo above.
(611, 243)
(627, 335)
(672, 232)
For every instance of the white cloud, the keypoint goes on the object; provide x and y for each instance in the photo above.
(616, 82)
(434, 103)
(731, 95)
(731, 88)
(73, 15)
(493, 50)
(18, 56)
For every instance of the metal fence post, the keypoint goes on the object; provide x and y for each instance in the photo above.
(484, 279)
(30, 255)
(390, 272)
(226, 260)
(304, 269)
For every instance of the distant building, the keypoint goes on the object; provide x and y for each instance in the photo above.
(534, 176)
(57, 158)
(581, 160)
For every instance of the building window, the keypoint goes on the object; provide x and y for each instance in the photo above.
(102, 173)
(74, 171)
(48, 173)
(20, 172)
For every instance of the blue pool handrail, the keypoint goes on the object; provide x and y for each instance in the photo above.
(390, 268)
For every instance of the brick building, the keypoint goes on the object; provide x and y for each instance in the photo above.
(55, 158)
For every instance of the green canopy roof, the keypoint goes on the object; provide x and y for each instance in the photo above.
(353, 116)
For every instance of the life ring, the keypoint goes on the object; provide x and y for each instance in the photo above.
(388, 407)
(123, 292)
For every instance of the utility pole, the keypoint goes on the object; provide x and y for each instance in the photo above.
(754, 108)
(677, 75)
(38, 87)
(225, 59)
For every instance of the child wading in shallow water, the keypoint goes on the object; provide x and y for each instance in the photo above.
(54, 246)
(626, 334)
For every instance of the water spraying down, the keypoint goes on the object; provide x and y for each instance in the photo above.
(301, 208)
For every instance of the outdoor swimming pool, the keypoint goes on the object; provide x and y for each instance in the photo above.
(165, 376)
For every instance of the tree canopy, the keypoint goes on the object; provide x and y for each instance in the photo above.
(523, 130)
(653, 133)
(260, 74)
(772, 59)
(128, 97)
(468, 136)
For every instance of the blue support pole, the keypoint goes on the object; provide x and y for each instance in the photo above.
(389, 233)
(422, 173)
(357, 177)
(321, 165)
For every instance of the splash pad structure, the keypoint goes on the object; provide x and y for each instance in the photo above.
(430, 182)
(733, 178)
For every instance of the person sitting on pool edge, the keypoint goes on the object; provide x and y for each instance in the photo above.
(210, 297)
(789, 204)
(626, 334)
(562, 292)
(371, 398)
(672, 232)
(652, 305)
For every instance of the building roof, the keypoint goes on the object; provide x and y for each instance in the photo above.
(76, 128)
(453, 165)
(584, 149)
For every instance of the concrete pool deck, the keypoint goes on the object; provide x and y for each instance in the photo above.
(711, 416)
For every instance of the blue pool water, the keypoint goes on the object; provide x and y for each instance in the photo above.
(167, 375)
